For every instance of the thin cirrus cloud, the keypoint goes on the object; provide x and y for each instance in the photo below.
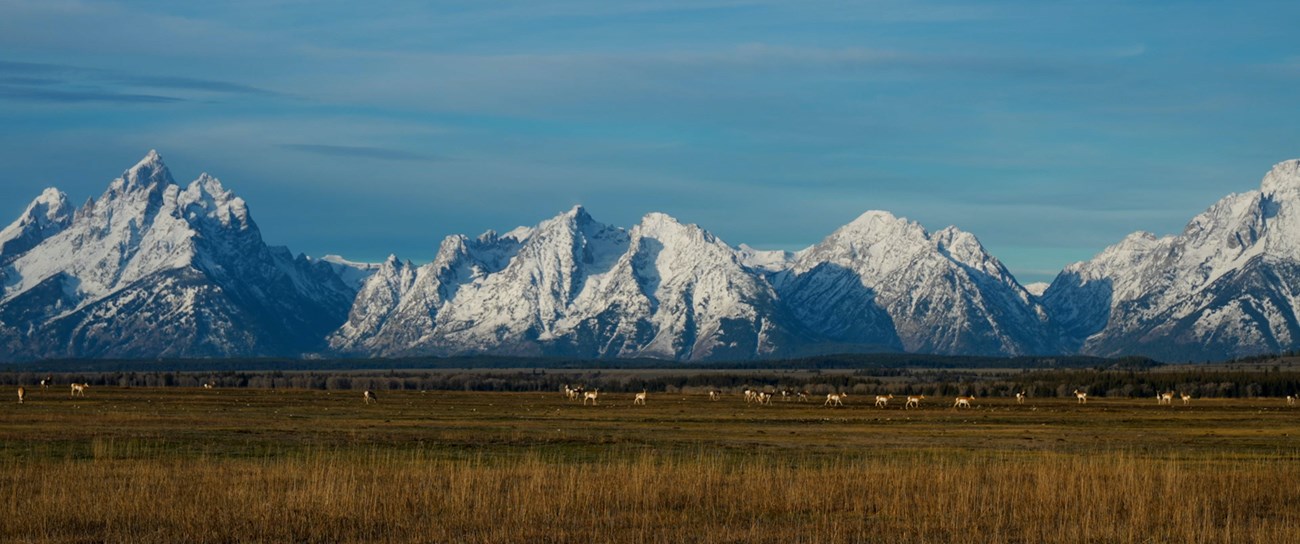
(362, 152)
(62, 83)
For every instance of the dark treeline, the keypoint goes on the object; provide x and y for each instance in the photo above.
(882, 361)
(937, 383)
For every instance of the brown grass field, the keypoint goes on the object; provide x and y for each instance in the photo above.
(247, 465)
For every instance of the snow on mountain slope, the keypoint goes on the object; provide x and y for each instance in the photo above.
(46, 216)
(395, 310)
(571, 286)
(1223, 287)
(884, 281)
(352, 273)
(152, 268)
(773, 260)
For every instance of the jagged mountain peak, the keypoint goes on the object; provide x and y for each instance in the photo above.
(149, 172)
(50, 207)
(1284, 178)
(153, 269)
(661, 224)
(46, 216)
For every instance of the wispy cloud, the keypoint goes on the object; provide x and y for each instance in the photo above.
(72, 84)
(40, 94)
(359, 152)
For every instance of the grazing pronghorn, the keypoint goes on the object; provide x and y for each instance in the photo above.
(714, 394)
(750, 394)
(369, 396)
(1020, 397)
(1290, 400)
(1165, 398)
(22, 394)
(45, 384)
(835, 399)
(640, 398)
(1083, 397)
(883, 401)
(963, 401)
(913, 401)
(208, 385)
(78, 390)
(1187, 399)
(785, 394)
(763, 397)
(590, 395)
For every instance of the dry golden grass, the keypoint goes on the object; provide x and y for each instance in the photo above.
(189, 466)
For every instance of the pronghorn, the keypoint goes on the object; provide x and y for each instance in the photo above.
(913, 401)
(1165, 398)
(963, 401)
(22, 394)
(1187, 399)
(368, 396)
(835, 399)
(208, 385)
(1083, 397)
(763, 397)
(590, 395)
(1020, 397)
(714, 394)
(1290, 400)
(640, 398)
(78, 390)
(785, 394)
(883, 401)
(45, 384)
(750, 394)
(803, 395)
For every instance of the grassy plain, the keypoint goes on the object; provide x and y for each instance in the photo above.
(253, 465)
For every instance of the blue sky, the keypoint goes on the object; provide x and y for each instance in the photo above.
(1048, 129)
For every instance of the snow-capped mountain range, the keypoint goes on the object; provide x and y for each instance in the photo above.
(155, 269)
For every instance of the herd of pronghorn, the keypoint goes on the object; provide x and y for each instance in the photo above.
(755, 396)
(752, 396)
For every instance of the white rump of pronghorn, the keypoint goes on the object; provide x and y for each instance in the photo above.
(714, 394)
(1187, 399)
(963, 401)
(913, 401)
(1290, 400)
(1020, 397)
(1165, 398)
(835, 399)
(1083, 397)
(208, 385)
(369, 396)
(640, 398)
(883, 401)
(590, 395)
(78, 390)
(22, 394)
